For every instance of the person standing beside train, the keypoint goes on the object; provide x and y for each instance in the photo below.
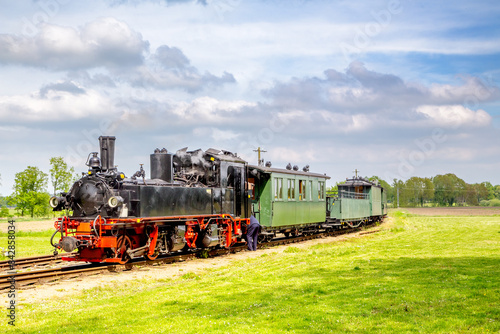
(253, 233)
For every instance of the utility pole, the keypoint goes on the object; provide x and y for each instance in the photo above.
(397, 189)
(259, 151)
(356, 171)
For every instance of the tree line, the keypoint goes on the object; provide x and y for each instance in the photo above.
(30, 194)
(445, 190)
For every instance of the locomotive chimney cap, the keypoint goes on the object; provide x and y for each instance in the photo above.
(94, 161)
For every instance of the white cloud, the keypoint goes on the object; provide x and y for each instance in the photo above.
(455, 116)
(54, 105)
(360, 99)
(223, 135)
(472, 89)
(103, 42)
(210, 109)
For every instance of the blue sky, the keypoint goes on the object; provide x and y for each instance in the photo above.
(393, 88)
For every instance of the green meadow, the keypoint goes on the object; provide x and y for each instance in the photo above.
(28, 243)
(417, 275)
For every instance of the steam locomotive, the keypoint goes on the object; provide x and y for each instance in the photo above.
(197, 200)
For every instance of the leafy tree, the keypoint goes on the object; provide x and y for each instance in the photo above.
(3, 201)
(493, 191)
(477, 192)
(388, 189)
(61, 175)
(496, 191)
(449, 189)
(30, 192)
(399, 197)
(334, 190)
(415, 191)
(414, 186)
(4, 212)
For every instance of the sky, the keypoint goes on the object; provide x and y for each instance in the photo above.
(393, 88)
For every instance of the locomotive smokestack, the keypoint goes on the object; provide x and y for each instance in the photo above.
(107, 144)
(161, 166)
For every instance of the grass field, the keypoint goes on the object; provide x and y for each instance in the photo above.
(29, 243)
(418, 275)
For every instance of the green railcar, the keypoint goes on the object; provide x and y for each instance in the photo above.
(358, 201)
(284, 200)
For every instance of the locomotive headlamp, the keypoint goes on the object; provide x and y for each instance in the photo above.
(53, 202)
(115, 201)
(56, 201)
(122, 176)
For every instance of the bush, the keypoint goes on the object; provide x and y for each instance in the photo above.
(494, 202)
(491, 202)
(4, 212)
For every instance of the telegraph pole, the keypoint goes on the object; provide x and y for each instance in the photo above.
(259, 151)
(356, 171)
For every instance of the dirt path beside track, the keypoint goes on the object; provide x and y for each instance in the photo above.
(42, 225)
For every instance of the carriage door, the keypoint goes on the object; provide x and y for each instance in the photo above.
(236, 181)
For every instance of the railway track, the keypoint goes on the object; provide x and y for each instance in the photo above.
(16, 279)
(32, 262)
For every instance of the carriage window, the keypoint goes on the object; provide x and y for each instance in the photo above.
(289, 184)
(321, 190)
(291, 190)
(302, 190)
(310, 190)
(278, 189)
(280, 195)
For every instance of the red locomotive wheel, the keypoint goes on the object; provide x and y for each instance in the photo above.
(152, 257)
(122, 245)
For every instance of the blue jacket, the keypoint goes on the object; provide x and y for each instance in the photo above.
(253, 220)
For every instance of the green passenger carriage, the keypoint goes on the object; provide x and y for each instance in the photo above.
(358, 201)
(286, 200)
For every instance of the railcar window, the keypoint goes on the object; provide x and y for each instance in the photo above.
(310, 190)
(275, 188)
(291, 190)
(289, 184)
(278, 189)
(250, 186)
(321, 189)
(302, 190)
(280, 185)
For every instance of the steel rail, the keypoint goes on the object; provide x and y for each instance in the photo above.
(33, 261)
